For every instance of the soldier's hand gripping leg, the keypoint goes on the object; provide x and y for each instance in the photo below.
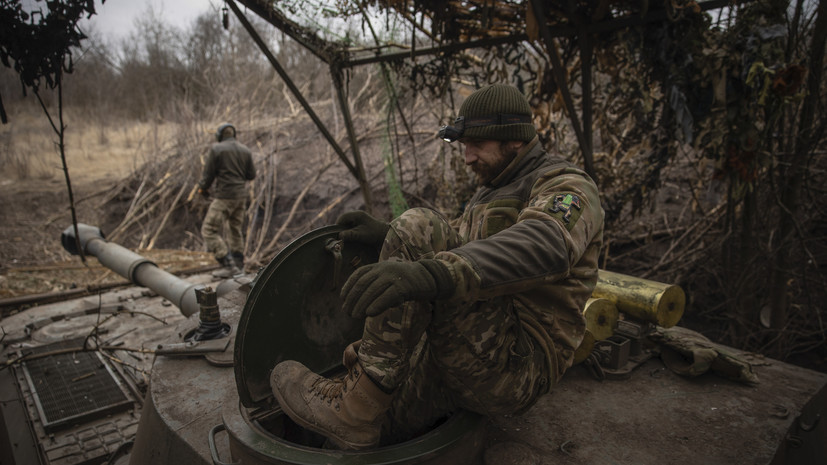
(348, 411)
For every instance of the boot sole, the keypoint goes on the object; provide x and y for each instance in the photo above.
(339, 442)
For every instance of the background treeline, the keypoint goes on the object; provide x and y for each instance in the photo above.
(160, 71)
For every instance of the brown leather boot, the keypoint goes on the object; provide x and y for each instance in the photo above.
(348, 411)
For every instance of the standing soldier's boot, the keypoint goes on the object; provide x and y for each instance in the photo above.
(238, 258)
(347, 411)
(229, 268)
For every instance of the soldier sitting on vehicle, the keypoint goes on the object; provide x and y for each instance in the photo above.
(482, 313)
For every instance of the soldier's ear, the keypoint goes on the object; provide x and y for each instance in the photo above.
(513, 145)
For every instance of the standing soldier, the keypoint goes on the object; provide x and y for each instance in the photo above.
(230, 165)
(482, 313)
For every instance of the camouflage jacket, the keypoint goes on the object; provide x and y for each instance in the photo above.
(230, 165)
(532, 237)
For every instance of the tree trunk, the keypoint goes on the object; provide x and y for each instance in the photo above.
(794, 176)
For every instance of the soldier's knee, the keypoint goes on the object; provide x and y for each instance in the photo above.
(209, 228)
(418, 219)
(420, 232)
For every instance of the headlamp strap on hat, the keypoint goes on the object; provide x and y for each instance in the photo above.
(455, 132)
(498, 119)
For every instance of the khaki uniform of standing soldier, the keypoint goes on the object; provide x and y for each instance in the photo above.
(480, 313)
(229, 166)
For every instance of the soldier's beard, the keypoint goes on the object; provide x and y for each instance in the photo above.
(486, 172)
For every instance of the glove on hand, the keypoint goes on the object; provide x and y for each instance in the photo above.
(362, 228)
(372, 289)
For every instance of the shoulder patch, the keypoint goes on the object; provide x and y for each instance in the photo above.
(565, 207)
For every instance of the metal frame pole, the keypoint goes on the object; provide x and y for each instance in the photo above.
(295, 90)
(560, 78)
(336, 74)
(586, 52)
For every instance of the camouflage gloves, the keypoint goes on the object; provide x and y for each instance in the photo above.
(372, 289)
(362, 228)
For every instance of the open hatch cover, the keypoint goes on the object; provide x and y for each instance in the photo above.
(293, 311)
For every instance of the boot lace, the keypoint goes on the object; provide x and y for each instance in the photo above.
(333, 388)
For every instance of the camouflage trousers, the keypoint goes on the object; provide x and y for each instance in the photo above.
(221, 212)
(439, 358)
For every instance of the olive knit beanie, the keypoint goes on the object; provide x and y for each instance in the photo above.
(493, 100)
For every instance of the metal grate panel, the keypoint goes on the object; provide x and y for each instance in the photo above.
(73, 388)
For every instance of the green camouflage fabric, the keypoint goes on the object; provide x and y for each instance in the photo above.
(524, 258)
(526, 239)
(230, 165)
(443, 357)
(221, 212)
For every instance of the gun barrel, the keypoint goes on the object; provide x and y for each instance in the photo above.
(131, 266)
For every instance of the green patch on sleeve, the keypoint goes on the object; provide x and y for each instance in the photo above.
(565, 207)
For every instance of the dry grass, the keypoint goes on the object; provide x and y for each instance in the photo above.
(25, 150)
(34, 198)
(95, 151)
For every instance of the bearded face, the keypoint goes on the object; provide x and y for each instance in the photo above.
(488, 158)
